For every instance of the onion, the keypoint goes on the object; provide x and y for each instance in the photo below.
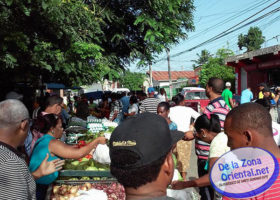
(87, 185)
(62, 190)
(71, 196)
(83, 188)
(56, 189)
(74, 190)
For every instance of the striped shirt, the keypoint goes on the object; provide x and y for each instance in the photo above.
(149, 105)
(219, 107)
(272, 193)
(16, 182)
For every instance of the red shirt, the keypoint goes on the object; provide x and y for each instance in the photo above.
(272, 193)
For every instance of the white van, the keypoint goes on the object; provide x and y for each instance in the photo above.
(119, 90)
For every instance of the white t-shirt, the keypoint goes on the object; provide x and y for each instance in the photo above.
(276, 132)
(133, 108)
(181, 115)
(161, 97)
(219, 146)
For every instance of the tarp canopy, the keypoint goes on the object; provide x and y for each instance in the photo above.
(61, 86)
(94, 95)
(55, 86)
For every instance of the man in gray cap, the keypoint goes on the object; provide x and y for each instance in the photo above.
(16, 180)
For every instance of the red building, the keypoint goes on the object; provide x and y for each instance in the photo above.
(255, 67)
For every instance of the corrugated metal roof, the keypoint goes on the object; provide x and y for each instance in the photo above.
(175, 75)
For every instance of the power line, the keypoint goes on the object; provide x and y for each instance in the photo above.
(258, 4)
(224, 33)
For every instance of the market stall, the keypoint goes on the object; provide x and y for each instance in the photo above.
(88, 177)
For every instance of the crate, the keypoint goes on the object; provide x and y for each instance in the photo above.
(81, 173)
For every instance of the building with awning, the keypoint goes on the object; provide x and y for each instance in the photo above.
(255, 67)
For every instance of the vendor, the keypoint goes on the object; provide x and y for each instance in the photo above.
(51, 126)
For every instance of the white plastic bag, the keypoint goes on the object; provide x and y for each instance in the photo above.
(91, 194)
(101, 154)
(184, 194)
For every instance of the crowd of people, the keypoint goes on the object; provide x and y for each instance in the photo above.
(151, 131)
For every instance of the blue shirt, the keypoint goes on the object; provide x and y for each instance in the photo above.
(246, 96)
(39, 153)
(172, 126)
(125, 103)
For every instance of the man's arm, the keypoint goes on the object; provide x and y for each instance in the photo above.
(231, 102)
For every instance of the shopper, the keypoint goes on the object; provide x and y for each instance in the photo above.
(51, 126)
(125, 102)
(116, 107)
(261, 87)
(246, 96)
(162, 95)
(82, 110)
(164, 110)
(216, 106)
(16, 180)
(207, 129)
(270, 100)
(141, 156)
(52, 105)
(149, 104)
(249, 125)
(182, 115)
(133, 108)
(227, 95)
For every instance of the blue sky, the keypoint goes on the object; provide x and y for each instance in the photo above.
(212, 17)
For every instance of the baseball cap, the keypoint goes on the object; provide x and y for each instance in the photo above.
(228, 84)
(262, 84)
(151, 90)
(146, 135)
(266, 89)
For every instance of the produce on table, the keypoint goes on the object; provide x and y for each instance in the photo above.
(85, 163)
(114, 191)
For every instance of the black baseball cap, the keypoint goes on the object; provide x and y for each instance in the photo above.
(266, 89)
(147, 135)
(263, 85)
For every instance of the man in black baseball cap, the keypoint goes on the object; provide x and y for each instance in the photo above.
(141, 156)
(261, 87)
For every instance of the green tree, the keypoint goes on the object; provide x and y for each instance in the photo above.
(72, 42)
(215, 67)
(252, 41)
(203, 57)
(132, 80)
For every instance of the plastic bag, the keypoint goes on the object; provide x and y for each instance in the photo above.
(101, 154)
(91, 194)
(184, 194)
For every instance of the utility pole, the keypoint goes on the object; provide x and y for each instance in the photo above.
(169, 73)
(151, 75)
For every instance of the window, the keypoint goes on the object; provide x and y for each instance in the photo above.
(195, 95)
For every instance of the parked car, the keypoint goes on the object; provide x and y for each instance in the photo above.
(196, 99)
